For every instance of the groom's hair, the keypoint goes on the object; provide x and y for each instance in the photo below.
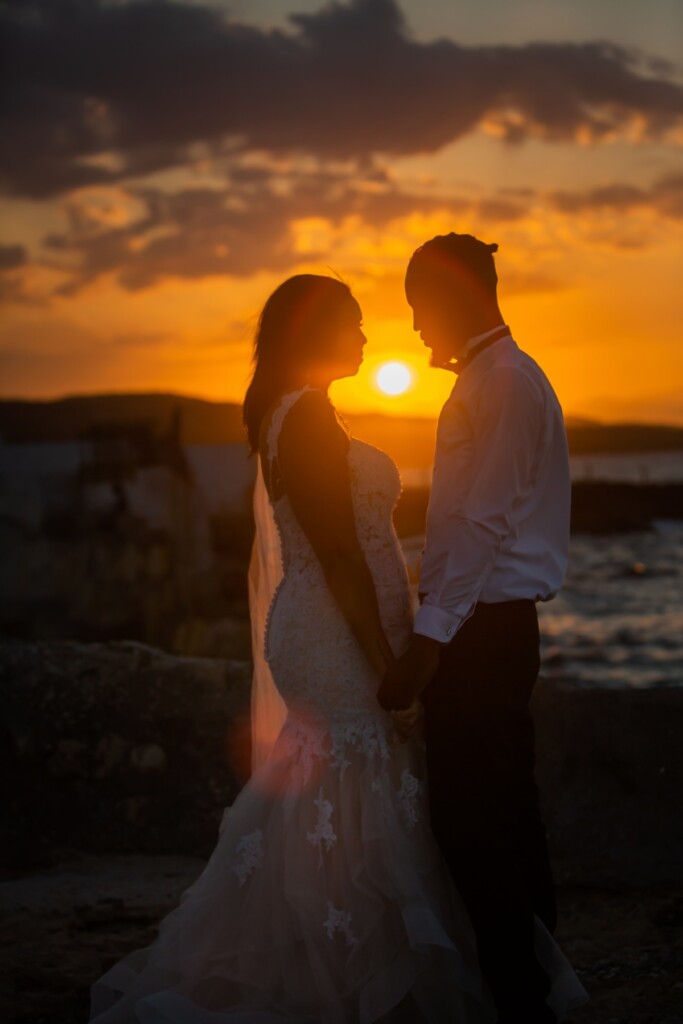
(454, 260)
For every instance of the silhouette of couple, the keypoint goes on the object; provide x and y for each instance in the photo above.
(386, 861)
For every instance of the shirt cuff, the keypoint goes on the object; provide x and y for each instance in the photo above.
(437, 624)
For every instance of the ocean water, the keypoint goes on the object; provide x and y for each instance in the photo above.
(618, 621)
(640, 468)
(631, 468)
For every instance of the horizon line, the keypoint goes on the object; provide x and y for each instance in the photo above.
(385, 414)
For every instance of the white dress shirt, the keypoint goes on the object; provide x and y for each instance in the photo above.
(498, 517)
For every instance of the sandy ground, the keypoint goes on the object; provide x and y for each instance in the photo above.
(62, 928)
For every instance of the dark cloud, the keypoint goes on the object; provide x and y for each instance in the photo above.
(97, 91)
(665, 197)
(12, 259)
(235, 231)
(12, 256)
(499, 210)
(249, 226)
(244, 228)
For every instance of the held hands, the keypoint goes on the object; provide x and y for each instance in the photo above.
(406, 678)
(405, 721)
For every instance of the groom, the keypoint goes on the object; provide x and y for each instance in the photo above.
(496, 543)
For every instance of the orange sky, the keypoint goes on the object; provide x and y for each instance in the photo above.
(138, 268)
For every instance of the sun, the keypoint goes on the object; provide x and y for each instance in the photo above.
(393, 378)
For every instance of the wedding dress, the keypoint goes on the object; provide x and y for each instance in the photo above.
(325, 900)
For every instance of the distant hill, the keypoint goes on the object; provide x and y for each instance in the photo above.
(410, 441)
(69, 419)
(612, 438)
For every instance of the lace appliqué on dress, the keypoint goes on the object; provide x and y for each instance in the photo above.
(250, 847)
(333, 742)
(339, 921)
(306, 740)
(324, 831)
(361, 735)
(409, 796)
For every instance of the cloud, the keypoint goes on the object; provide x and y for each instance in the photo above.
(266, 220)
(262, 220)
(100, 91)
(665, 197)
(41, 338)
(12, 259)
(12, 256)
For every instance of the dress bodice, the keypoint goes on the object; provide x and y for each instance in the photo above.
(375, 488)
(331, 671)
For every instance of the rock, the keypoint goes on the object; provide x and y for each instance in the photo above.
(600, 506)
(65, 762)
(117, 747)
(610, 772)
(144, 750)
(150, 758)
(223, 638)
(109, 753)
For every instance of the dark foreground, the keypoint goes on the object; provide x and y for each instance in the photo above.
(62, 928)
(117, 760)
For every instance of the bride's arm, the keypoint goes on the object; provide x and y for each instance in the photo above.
(313, 465)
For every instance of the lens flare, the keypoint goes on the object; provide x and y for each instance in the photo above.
(393, 378)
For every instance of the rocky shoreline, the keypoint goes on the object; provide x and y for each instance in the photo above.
(120, 759)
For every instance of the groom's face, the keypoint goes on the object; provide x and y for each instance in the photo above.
(439, 322)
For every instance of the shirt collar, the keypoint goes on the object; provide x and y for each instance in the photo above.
(472, 342)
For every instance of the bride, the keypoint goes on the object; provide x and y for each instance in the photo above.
(325, 900)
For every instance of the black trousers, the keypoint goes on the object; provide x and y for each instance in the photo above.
(484, 800)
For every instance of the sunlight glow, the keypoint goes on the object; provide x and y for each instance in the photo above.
(393, 378)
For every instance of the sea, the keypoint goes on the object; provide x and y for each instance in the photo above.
(618, 620)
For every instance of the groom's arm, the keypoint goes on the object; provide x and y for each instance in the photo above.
(467, 525)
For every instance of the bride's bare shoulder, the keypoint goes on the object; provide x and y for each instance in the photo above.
(308, 443)
(310, 420)
(312, 410)
(311, 417)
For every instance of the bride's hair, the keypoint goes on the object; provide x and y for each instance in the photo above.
(292, 329)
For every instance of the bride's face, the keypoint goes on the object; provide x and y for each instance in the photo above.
(344, 350)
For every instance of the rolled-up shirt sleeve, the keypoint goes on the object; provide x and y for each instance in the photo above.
(472, 500)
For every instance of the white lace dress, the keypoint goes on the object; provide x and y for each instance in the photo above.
(325, 900)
